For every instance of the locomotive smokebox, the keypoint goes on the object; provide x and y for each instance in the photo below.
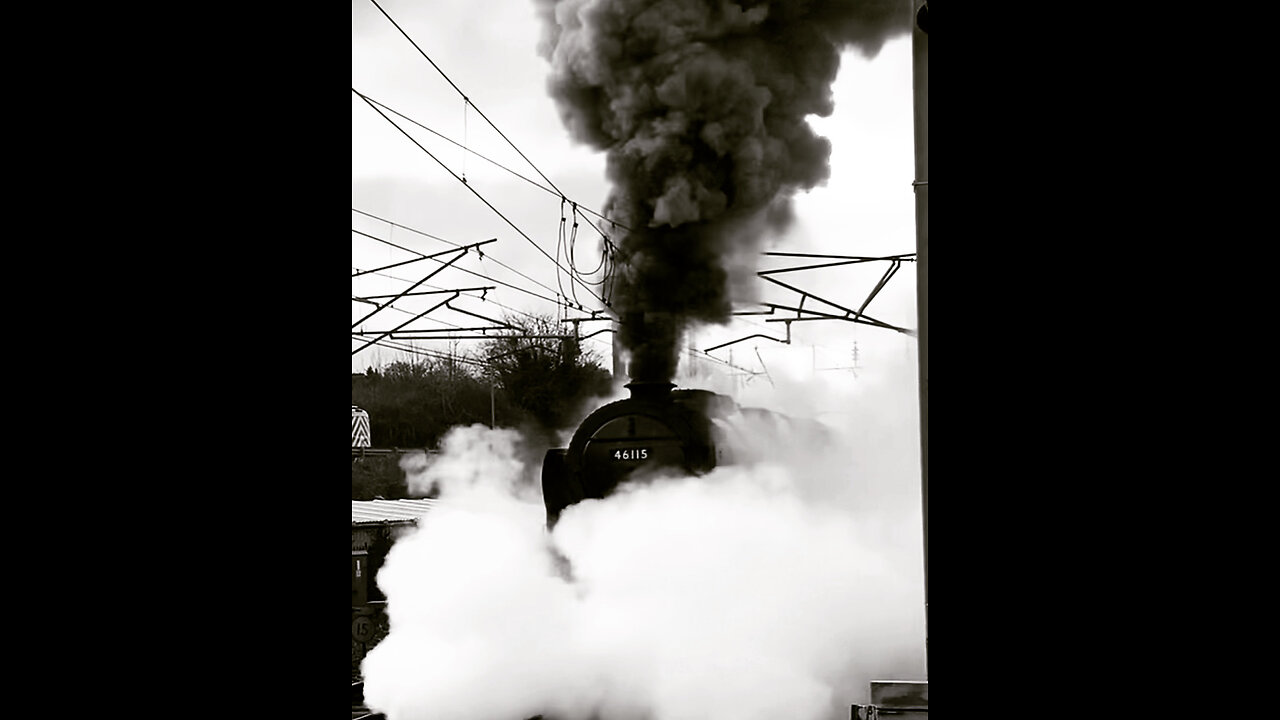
(651, 390)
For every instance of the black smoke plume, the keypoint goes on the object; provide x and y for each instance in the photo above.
(701, 107)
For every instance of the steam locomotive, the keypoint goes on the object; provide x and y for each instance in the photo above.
(659, 427)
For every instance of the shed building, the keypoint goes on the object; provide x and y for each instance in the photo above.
(375, 526)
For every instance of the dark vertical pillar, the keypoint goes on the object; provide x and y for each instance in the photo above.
(920, 87)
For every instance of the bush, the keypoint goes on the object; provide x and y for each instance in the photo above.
(377, 477)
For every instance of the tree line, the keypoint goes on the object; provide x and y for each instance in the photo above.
(537, 380)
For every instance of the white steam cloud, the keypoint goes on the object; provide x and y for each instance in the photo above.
(776, 589)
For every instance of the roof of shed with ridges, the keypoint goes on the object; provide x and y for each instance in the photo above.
(380, 511)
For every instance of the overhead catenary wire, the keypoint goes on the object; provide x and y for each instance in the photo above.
(433, 256)
(605, 258)
(488, 300)
(386, 341)
(403, 347)
(392, 341)
(802, 314)
(485, 118)
(508, 267)
(483, 299)
(462, 251)
(482, 198)
(403, 227)
(571, 253)
(467, 101)
(608, 251)
(569, 246)
(464, 95)
(740, 317)
(394, 224)
(450, 326)
(850, 315)
(549, 190)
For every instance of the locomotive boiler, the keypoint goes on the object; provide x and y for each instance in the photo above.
(660, 428)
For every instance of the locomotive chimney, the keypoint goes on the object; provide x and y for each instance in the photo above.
(652, 342)
(650, 389)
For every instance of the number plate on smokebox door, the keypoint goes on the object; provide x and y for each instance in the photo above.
(631, 454)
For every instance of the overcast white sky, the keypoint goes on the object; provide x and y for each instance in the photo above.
(487, 48)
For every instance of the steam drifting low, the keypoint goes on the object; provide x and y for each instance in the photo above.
(775, 590)
(701, 106)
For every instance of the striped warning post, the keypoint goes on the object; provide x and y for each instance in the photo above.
(359, 428)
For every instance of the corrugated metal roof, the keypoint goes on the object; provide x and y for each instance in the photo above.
(378, 511)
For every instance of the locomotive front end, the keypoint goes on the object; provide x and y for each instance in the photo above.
(656, 428)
